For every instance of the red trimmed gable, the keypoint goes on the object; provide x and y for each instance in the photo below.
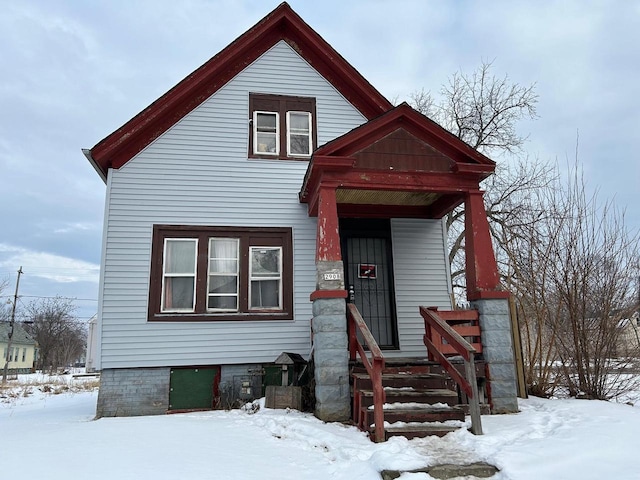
(281, 24)
(414, 124)
(414, 166)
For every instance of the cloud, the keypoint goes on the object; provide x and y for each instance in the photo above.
(48, 266)
(78, 227)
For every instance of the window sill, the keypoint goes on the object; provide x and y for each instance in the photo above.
(297, 158)
(219, 317)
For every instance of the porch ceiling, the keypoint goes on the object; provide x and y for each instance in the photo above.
(385, 197)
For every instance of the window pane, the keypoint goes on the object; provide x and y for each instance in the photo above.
(180, 256)
(223, 303)
(265, 294)
(178, 293)
(266, 143)
(299, 122)
(266, 122)
(223, 248)
(299, 145)
(223, 266)
(265, 262)
(223, 284)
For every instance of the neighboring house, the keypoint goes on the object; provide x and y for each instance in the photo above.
(92, 345)
(629, 340)
(22, 353)
(245, 203)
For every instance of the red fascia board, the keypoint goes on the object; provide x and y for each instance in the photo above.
(281, 24)
(437, 182)
(318, 165)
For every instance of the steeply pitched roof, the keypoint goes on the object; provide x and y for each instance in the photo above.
(19, 335)
(281, 24)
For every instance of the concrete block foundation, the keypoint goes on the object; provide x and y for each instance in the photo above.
(497, 346)
(331, 360)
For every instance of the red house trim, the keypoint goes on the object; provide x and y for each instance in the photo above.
(334, 164)
(281, 24)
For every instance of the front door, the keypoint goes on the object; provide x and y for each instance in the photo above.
(367, 257)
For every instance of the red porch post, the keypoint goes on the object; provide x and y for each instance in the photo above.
(329, 323)
(481, 268)
(329, 268)
(328, 237)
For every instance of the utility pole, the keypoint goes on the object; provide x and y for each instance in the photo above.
(11, 325)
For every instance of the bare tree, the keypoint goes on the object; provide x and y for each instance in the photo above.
(572, 269)
(61, 337)
(483, 110)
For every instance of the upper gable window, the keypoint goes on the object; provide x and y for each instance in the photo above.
(281, 126)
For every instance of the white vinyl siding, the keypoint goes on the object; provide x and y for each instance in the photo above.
(198, 173)
(421, 278)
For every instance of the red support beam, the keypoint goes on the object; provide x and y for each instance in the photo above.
(482, 271)
(328, 237)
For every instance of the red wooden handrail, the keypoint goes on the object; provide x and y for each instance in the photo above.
(433, 322)
(374, 366)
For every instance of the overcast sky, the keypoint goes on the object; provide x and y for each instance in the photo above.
(74, 71)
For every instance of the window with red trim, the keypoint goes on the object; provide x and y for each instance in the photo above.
(221, 273)
(282, 126)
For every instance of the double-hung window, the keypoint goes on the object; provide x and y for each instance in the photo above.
(266, 134)
(299, 141)
(282, 126)
(265, 277)
(179, 274)
(221, 273)
(222, 291)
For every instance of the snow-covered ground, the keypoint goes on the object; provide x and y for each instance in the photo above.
(54, 437)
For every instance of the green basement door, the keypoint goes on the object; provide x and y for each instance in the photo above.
(193, 388)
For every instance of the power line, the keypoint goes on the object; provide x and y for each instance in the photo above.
(62, 298)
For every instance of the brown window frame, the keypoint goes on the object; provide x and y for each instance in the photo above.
(249, 237)
(281, 104)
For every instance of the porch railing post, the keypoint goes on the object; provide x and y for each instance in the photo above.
(474, 404)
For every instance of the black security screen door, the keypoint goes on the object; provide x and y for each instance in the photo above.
(366, 251)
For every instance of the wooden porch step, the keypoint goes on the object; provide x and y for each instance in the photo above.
(414, 414)
(419, 380)
(422, 395)
(419, 431)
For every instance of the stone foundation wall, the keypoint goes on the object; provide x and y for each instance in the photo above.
(128, 392)
(331, 360)
(497, 347)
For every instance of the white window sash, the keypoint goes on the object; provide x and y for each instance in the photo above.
(256, 132)
(166, 275)
(291, 131)
(253, 278)
(225, 274)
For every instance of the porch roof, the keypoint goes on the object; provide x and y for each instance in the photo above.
(401, 163)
